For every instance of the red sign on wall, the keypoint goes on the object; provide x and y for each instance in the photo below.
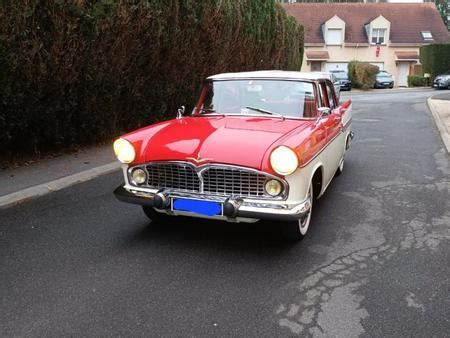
(377, 51)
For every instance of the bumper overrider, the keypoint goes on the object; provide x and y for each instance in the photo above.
(232, 208)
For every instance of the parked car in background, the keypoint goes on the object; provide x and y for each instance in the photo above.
(384, 80)
(342, 77)
(442, 81)
(258, 145)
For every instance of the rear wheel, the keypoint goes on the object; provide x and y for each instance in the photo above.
(297, 230)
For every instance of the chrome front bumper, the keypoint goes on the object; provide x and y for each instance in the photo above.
(233, 209)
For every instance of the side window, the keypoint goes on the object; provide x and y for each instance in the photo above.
(330, 95)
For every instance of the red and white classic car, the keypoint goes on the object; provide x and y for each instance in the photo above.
(258, 145)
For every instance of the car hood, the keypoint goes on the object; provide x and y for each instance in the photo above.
(238, 140)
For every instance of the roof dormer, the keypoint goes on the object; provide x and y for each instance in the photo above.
(378, 31)
(333, 31)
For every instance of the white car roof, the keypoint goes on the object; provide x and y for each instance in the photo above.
(272, 74)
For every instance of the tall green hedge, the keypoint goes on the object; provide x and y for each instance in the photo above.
(77, 72)
(362, 74)
(435, 59)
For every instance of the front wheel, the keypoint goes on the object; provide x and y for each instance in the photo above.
(297, 230)
(340, 169)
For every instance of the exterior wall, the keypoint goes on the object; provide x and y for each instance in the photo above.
(362, 53)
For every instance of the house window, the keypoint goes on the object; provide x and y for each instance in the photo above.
(334, 37)
(378, 35)
(427, 36)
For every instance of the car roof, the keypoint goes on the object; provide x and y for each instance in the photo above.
(272, 74)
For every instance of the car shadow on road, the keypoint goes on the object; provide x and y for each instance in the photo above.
(201, 232)
(262, 238)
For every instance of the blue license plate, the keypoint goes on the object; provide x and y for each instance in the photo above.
(206, 208)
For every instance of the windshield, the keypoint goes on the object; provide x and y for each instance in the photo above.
(265, 97)
(341, 75)
(384, 74)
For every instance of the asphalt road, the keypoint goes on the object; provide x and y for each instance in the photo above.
(375, 263)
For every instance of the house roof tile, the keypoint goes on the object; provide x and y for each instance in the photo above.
(408, 20)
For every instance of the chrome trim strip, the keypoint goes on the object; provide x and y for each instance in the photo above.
(257, 115)
(347, 125)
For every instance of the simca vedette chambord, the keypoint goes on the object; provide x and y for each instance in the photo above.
(257, 145)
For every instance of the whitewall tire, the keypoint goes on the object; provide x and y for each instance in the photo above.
(297, 230)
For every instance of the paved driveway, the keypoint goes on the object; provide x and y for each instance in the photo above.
(376, 263)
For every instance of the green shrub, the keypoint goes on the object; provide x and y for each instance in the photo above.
(352, 73)
(78, 72)
(362, 74)
(435, 59)
(417, 81)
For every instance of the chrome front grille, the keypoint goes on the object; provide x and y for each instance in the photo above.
(220, 180)
(231, 181)
(173, 176)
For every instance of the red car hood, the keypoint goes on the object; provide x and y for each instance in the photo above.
(238, 140)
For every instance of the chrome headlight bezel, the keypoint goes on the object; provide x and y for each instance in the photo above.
(134, 179)
(272, 183)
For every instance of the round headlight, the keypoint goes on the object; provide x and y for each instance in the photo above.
(284, 160)
(273, 187)
(139, 176)
(124, 151)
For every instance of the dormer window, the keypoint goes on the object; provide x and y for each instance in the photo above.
(334, 36)
(378, 36)
(427, 36)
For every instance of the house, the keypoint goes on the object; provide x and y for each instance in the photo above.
(388, 35)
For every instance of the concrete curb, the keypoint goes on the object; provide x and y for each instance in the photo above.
(439, 124)
(61, 183)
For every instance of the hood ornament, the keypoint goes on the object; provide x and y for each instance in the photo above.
(198, 159)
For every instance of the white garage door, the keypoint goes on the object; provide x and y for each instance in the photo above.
(380, 65)
(336, 66)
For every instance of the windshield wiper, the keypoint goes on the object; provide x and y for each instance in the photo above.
(207, 111)
(268, 112)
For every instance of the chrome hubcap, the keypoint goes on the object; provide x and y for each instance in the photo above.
(304, 224)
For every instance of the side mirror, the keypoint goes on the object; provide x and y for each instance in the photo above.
(180, 112)
(323, 111)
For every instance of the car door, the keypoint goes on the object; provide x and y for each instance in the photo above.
(332, 123)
